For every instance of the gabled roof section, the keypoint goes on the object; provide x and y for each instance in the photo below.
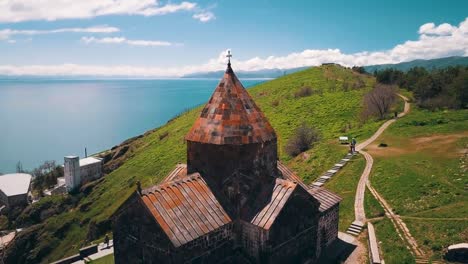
(326, 198)
(185, 209)
(231, 117)
(179, 172)
(281, 193)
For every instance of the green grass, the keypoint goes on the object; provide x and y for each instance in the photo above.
(420, 175)
(394, 250)
(330, 110)
(109, 259)
(344, 183)
(371, 206)
(436, 235)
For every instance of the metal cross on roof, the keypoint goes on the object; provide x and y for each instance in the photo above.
(229, 55)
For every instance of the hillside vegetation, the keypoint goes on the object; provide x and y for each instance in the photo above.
(332, 108)
(427, 64)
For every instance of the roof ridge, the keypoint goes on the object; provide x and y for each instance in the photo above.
(160, 186)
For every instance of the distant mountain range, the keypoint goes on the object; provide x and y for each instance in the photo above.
(428, 64)
(266, 73)
(403, 66)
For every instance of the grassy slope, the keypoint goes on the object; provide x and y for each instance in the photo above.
(394, 250)
(109, 259)
(329, 109)
(424, 180)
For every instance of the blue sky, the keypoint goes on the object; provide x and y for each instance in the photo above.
(160, 38)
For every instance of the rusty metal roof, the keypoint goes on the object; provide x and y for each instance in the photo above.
(281, 193)
(231, 117)
(326, 198)
(185, 209)
(177, 173)
(290, 175)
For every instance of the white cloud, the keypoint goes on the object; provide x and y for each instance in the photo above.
(7, 33)
(122, 40)
(442, 29)
(427, 46)
(26, 10)
(204, 16)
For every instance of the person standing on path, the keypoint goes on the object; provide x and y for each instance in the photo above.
(106, 240)
(353, 145)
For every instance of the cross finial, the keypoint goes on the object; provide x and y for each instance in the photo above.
(229, 55)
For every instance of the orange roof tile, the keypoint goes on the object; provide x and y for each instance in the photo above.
(231, 117)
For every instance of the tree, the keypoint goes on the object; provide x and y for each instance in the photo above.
(45, 176)
(359, 69)
(19, 167)
(379, 100)
(303, 139)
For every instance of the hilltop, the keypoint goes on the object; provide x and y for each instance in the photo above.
(333, 108)
(427, 64)
(265, 73)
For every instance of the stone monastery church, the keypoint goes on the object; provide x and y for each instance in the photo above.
(233, 202)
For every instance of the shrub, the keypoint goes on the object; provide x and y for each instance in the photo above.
(275, 103)
(303, 139)
(304, 91)
(163, 135)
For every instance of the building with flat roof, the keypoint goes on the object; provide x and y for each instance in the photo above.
(14, 189)
(79, 171)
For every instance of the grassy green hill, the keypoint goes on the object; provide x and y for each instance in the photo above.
(330, 109)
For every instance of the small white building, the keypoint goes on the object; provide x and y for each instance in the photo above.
(14, 189)
(79, 171)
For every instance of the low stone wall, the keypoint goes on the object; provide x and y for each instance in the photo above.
(89, 250)
(68, 260)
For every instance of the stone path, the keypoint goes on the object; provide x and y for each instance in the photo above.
(360, 216)
(331, 172)
(364, 182)
(359, 213)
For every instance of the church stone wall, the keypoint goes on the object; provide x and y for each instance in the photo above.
(218, 162)
(293, 236)
(328, 228)
(253, 239)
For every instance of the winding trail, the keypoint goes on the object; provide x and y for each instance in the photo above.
(359, 212)
(360, 216)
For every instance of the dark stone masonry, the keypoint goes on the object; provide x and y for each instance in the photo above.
(233, 202)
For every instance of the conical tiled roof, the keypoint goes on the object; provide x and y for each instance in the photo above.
(231, 116)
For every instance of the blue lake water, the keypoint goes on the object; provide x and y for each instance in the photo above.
(43, 119)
